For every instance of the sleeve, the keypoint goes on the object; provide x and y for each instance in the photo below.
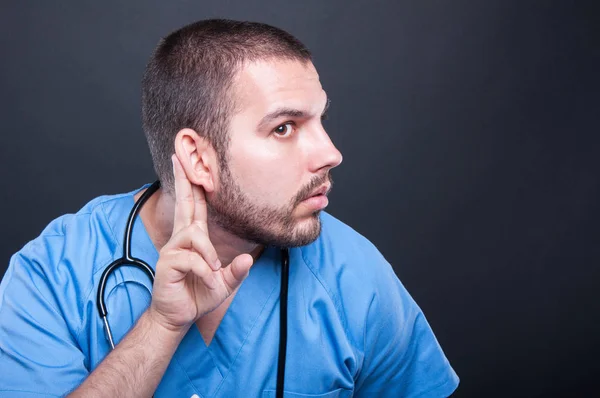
(39, 355)
(402, 357)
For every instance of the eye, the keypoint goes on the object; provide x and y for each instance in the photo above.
(284, 130)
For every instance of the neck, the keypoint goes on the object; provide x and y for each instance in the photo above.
(157, 215)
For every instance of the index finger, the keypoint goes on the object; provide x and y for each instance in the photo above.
(184, 197)
(200, 212)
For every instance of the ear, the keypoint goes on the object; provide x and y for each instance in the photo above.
(197, 157)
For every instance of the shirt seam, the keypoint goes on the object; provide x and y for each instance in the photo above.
(364, 342)
(449, 381)
(331, 295)
(376, 334)
(90, 289)
(55, 309)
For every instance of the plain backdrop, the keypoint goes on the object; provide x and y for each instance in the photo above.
(469, 131)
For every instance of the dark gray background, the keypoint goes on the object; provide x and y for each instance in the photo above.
(470, 139)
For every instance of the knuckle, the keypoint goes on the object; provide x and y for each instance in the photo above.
(191, 258)
(164, 252)
(184, 198)
(213, 257)
(203, 270)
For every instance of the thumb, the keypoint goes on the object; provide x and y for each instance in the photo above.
(237, 271)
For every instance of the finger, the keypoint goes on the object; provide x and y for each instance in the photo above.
(202, 270)
(200, 212)
(195, 238)
(238, 270)
(184, 197)
(188, 262)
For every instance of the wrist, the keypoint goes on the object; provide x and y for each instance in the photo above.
(163, 328)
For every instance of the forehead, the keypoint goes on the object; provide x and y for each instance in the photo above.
(264, 85)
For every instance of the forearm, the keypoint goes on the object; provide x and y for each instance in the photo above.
(136, 365)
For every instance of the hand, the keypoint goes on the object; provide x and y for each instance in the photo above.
(190, 280)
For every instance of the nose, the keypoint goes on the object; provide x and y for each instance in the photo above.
(324, 154)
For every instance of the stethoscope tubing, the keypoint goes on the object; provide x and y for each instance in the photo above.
(126, 259)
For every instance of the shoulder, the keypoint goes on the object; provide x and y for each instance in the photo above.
(88, 234)
(393, 341)
(43, 298)
(341, 251)
(60, 263)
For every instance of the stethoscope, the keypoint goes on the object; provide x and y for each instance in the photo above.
(128, 260)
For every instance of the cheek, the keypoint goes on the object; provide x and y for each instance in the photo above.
(264, 174)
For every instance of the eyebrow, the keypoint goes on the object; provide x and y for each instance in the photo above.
(289, 112)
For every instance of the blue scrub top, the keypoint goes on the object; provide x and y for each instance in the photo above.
(353, 329)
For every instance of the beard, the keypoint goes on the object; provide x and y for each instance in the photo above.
(231, 209)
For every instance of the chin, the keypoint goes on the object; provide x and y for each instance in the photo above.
(307, 230)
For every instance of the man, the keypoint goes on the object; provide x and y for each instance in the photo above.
(232, 113)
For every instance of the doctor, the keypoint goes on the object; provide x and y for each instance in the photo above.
(232, 113)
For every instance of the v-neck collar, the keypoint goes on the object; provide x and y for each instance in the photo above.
(208, 366)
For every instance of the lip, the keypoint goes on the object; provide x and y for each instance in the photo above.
(316, 202)
(322, 190)
(318, 198)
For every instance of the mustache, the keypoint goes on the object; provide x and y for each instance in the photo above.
(305, 192)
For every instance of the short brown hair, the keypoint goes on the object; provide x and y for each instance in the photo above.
(187, 82)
